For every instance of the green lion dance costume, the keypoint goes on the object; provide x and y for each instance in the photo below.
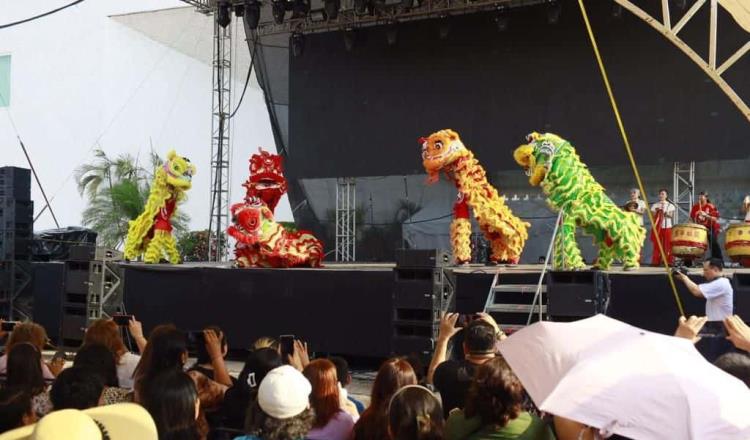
(552, 162)
(150, 234)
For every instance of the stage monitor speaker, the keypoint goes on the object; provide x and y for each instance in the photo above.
(48, 293)
(86, 252)
(422, 258)
(577, 294)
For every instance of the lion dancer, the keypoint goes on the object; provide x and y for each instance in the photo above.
(507, 234)
(261, 241)
(150, 235)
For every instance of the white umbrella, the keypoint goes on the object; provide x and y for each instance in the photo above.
(632, 382)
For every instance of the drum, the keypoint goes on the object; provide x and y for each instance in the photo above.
(689, 241)
(738, 243)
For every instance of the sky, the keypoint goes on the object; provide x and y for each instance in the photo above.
(80, 81)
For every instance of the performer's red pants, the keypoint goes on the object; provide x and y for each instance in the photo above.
(665, 237)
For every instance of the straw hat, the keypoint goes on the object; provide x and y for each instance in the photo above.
(111, 422)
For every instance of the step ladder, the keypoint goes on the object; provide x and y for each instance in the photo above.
(514, 305)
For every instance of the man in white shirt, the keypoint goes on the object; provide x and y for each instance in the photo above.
(746, 208)
(663, 212)
(719, 296)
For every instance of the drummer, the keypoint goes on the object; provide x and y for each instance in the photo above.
(746, 208)
(705, 213)
(636, 204)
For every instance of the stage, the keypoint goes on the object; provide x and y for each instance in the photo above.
(350, 308)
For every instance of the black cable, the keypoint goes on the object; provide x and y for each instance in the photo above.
(7, 25)
(247, 79)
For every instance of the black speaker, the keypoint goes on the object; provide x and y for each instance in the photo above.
(741, 284)
(15, 183)
(422, 258)
(48, 292)
(577, 294)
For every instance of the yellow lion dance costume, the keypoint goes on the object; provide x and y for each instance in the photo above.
(507, 234)
(150, 234)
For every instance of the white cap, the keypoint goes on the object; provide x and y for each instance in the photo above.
(284, 393)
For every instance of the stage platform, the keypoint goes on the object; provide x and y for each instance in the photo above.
(349, 308)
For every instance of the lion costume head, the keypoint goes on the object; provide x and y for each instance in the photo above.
(441, 150)
(179, 171)
(537, 155)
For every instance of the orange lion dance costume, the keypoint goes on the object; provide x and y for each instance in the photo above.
(261, 241)
(507, 234)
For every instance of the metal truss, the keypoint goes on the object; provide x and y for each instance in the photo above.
(346, 219)
(203, 6)
(671, 32)
(389, 12)
(684, 188)
(220, 146)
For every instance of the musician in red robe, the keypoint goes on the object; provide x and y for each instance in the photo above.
(705, 213)
(663, 212)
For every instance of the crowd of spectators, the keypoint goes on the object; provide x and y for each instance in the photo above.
(474, 396)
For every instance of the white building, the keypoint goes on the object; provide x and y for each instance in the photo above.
(105, 74)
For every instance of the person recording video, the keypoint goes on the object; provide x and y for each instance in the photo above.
(719, 296)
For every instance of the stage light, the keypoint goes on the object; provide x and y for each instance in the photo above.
(554, 9)
(223, 13)
(332, 8)
(252, 13)
(278, 9)
(350, 38)
(501, 20)
(444, 27)
(391, 33)
(298, 44)
(360, 7)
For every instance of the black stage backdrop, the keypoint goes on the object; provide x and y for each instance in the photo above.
(360, 113)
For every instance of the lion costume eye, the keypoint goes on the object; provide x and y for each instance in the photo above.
(438, 145)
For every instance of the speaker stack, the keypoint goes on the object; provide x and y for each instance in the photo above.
(91, 291)
(576, 295)
(16, 231)
(422, 291)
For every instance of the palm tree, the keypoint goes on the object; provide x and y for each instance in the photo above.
(117, 190)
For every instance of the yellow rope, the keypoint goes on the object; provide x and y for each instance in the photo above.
(630, 152)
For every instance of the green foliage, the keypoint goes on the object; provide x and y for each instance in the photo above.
(117, 190)
(193, 245)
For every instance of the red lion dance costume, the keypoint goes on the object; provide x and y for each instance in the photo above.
(261, 241)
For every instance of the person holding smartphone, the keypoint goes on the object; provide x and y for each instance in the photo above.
(719, 296)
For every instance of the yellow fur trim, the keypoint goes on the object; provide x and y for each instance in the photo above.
(460, 240)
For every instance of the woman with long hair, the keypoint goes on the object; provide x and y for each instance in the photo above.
(172, 400)
(239, 398)
(494, 408)
(394, 374)
(99, 360)
(167, 351)
(331, 422)
(414, 413)
(25, 372)
(107, 333)
(34, 334)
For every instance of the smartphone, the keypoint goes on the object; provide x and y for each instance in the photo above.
(122, 320)
(713, 329)
(286, 346)
(8, 326)
(60, 354)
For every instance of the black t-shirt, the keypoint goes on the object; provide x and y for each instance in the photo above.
(452, 379)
